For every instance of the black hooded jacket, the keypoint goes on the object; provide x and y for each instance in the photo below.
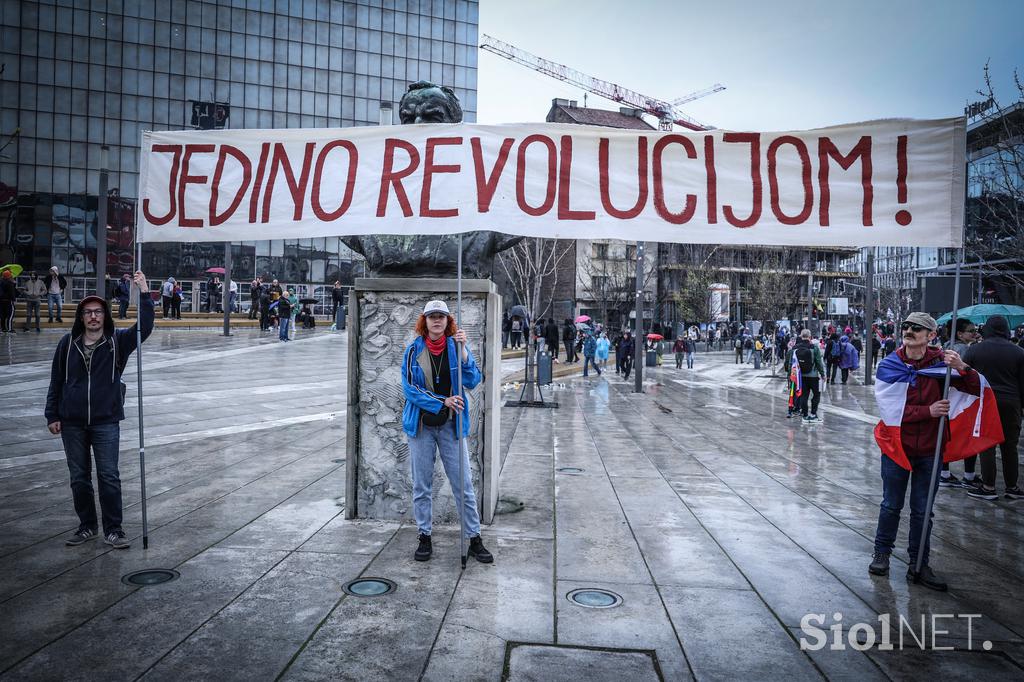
(999, 360)
(84, 398)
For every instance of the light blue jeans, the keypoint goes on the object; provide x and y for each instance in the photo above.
(54, 300)
(422, 449)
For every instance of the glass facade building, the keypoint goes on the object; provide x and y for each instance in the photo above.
(80, 75)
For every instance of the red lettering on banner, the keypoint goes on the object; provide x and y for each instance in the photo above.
(564, 179)
(862, 150)
(429, 168)
(187, 179)
(389, 176)
(257, 184)
(709, 169)
(297, 187)
(754, 140)
(350, 183)
(641, 172)
(549, 197)
(487, 184)
(805, 178)
(172, 181)
(903, 217)
(659, 187)
(218, 174)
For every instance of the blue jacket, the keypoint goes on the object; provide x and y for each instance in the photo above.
(414, 385)
(82, 398)
(849, 358)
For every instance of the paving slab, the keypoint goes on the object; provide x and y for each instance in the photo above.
(720, 522)
(532, 663)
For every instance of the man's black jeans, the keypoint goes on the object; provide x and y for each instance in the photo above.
(103, 440)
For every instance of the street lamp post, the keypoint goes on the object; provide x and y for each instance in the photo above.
(638, 323)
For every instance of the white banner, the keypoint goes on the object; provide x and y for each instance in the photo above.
(892, 182)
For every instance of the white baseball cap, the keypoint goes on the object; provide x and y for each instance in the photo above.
(436, 307)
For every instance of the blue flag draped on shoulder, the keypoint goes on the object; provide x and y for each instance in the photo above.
(974, 423)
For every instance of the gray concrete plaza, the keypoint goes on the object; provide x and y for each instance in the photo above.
(720, 523)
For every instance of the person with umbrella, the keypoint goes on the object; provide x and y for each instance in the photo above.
(8, 294)
(85, 407)
(430, 368)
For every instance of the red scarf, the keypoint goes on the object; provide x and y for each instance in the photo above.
(436, 347)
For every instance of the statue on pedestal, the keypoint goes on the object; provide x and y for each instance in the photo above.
(429, 255)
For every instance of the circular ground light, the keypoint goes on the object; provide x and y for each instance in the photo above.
(150, 576)
(593, 598)
(370, 587)
(570, 470)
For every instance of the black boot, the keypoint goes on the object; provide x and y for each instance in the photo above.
(477, 549)
(425, 549)
(927, 578)
(879, 564)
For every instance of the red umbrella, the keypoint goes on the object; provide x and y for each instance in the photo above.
(582, 318)
(215, 271)
(655, 337)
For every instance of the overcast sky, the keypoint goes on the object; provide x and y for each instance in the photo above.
(787, 64)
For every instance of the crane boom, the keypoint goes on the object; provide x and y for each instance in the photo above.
(665, 111)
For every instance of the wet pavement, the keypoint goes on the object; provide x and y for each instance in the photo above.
(721, 525)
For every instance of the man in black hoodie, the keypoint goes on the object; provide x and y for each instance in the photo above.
(551, 338)
(85, 405)
(1001, 362)
(569, 340)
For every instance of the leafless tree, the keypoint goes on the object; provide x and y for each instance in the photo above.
(996, 205)
(771, 288)
(531, 265)
(695, 264)
(611, 281)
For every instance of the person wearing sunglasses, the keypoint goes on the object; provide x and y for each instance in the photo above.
(85, 407)
(923, 409)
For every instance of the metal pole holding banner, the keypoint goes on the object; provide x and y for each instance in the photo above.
(458, 419)
(225, 294)
(138, 377)
(869, 315)
(937, 462)
(639, 354)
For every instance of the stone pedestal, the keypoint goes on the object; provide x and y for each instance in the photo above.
(381, 316)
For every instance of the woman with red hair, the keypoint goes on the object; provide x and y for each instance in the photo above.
(429, 378)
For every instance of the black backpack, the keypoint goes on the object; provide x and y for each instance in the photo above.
(805, 357)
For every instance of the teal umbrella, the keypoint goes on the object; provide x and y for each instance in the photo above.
(979, 314)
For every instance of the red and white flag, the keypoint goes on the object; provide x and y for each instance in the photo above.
(974, 423)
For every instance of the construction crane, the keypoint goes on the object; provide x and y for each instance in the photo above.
(666, 112)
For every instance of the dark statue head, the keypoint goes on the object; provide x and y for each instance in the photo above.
(411, 255)
(426, 102)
